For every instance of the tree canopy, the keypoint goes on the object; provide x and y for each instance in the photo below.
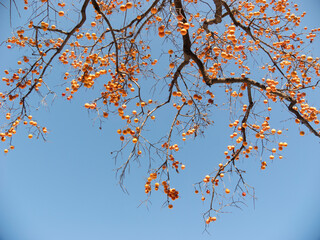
(184, 63)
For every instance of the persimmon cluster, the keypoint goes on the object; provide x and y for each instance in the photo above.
(172, 193)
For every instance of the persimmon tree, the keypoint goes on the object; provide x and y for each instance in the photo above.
(169, 58)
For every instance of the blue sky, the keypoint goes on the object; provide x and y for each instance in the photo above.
(66, 188)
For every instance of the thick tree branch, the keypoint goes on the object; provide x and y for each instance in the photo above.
(282, 95)
(218, 14)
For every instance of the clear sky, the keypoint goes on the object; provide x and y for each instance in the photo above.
(66, 188)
